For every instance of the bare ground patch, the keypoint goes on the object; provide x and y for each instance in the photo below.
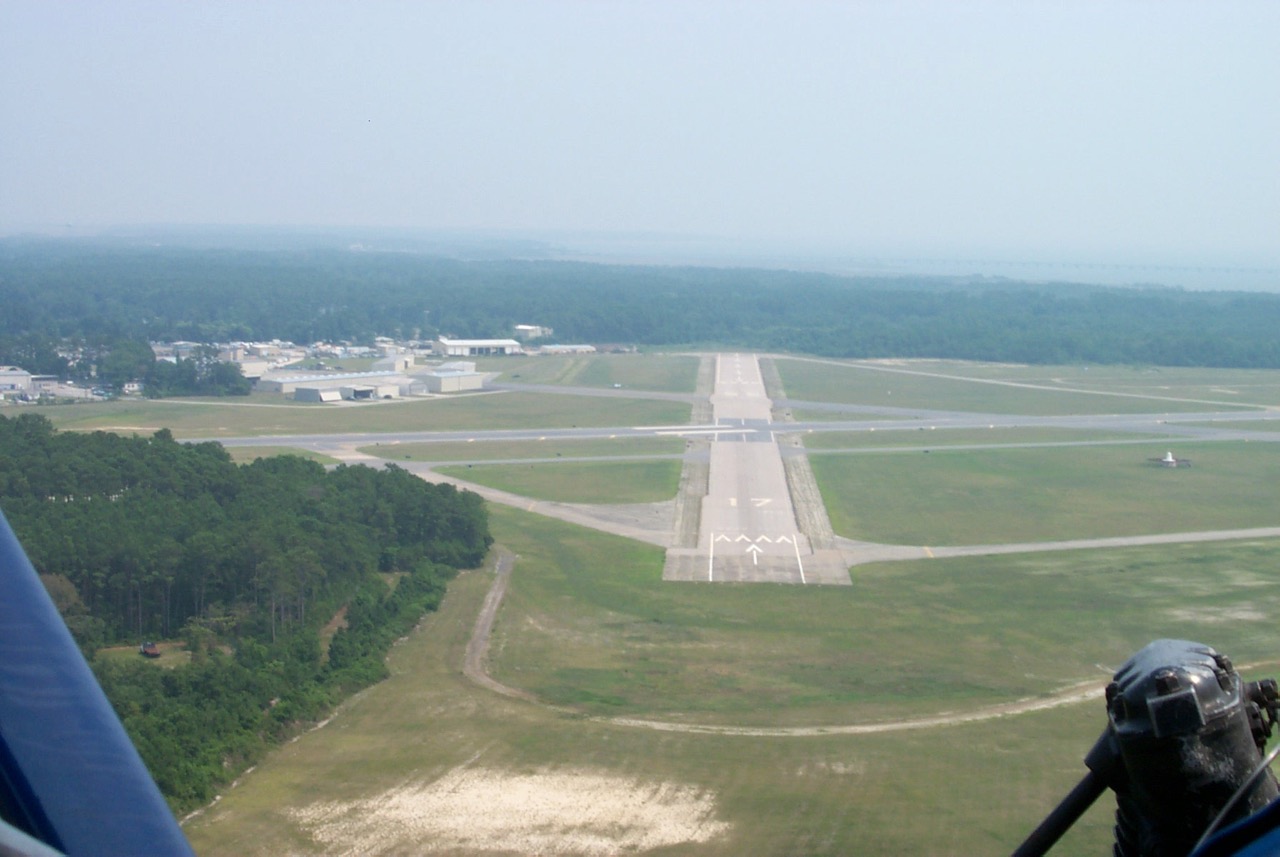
(478, 811)
(1214, 615)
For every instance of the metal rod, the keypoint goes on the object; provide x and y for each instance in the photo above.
(1063, 816)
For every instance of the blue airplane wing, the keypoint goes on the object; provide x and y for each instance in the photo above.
(69, 775)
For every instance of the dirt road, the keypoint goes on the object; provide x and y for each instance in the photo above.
(473, 662)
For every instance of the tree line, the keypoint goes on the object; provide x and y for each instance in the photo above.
(103, 293)
(142, 538)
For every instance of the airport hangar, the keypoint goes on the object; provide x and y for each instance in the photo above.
(478, 347)
(454, 377)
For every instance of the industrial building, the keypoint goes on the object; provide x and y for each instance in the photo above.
(456, 377)
(532, 331)
(476, 347)
(14, 380)
(369, 385)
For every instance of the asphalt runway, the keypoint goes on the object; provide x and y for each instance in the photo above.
(747, 529)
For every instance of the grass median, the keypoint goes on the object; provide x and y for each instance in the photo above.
(994, 388)
(504, 450)
(964, 497)
(234, 418)
(579, 481)
(667, 373)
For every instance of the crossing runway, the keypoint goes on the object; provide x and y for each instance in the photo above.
(747, 529)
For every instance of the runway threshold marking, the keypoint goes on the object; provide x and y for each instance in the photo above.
(711, 562)
(799, 561)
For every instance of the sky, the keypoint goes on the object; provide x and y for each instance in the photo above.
(1091, 131)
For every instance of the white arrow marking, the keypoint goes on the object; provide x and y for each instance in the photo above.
(723, 538)
(755, 554)
(783, 540)
(743, 538)
(765, 539)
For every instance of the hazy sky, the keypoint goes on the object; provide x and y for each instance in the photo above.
(1119, 130)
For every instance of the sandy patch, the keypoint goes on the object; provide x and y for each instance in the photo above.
(1217, 615)
(842, 769)
(477, 811)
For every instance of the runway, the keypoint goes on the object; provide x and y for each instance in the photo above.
(747, 526)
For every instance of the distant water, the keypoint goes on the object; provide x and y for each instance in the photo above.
(1110, 274)
(651, 249)
(648, 248)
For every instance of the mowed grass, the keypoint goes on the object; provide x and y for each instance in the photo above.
(959, 497)
(982, 388)
(668, 373)
(226, 418)
(173, 653)
(925, 437)
(814, 415)
(1242, 386)
(591, 625)
(1270, 426)
(578, 481)
(907, 640)
(505, 450)
(247, 454)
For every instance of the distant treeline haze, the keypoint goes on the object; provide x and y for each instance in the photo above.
(103, 294)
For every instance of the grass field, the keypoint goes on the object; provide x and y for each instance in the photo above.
(1243, 425)
(498, 450)
(588, 624)
(670, 373)
(578, 481)
(905, 639)
(173, 653)
(914, 439)
(247, 454)
(972, 387)
(1245, 386)
(951, 497)
(813, 415)
(228, 418)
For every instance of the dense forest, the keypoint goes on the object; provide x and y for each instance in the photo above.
(103, 293)
(146, 538)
